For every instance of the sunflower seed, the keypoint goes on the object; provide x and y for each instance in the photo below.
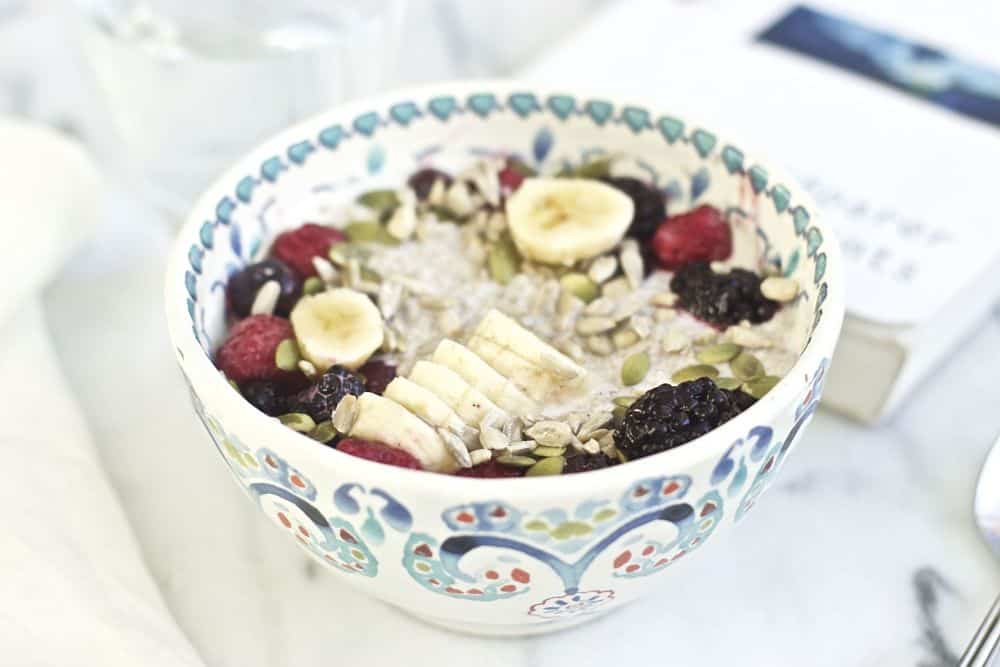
(597, 434)
(631, 262)
(324, 432)
(664, 300)
(579, 285)
(312, 285)
(493, 438)
(512, 429)
(552, 465)
(459, 200)
(325, 270)
(634, 368)
(600, 345)
(437, 192)
(600, 307)
(718, 354)
(480, 456)
(624, 338)
(403, 222)
(694, 372)
(298, 421)
(664, 314)
(574, 420)
(593, 423)
(749, 338)
(572, 349)
(456, 447)
(617, 288)
(675, 341)
(390, 340)
(607, 441)
(719, 267)
(353, 272)
(747, 367)
(545, 452)
(760, 386)
(603, 268)
(266, 298)
(592, 447)
(730, 383)
(412, 284)
(521, 447)
(592, 325)
(286, 355)
(496, 224)
(390, 294)
(550, 433)
(449, 322)
(308, 368)
(545, 296)
(435, 302)
(779, 289)
(345, 414)
(516, 461)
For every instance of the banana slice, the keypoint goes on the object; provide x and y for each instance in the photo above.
(484, 377)
(338, 326)
(385, 420)
(470, 404)
(562, 220)
(529, 362)
(426, 405)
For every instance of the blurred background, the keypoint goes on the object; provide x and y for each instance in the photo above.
(868, 553)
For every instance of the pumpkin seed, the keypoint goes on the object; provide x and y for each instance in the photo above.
(298, 421)
(312, 285)
(779, 288)
(597, 168)
(443, 213)
(747, 367)
(380, 201)
(718, 354)
(324, 432)
(730, 383)
(552, 465)
(516, 461)
(760, 386)
(580, 286)
(634, 368)
(368, 231)
(545, 452)
(694, 372)
(503, 261)
(624, 401)
(286, 356)
(619, 412)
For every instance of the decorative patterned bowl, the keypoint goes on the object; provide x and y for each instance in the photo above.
(500, 557)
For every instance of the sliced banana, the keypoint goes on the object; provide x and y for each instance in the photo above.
(339, 326)
(529, 362)
(470, 404)
(563, 220)
(384, 420)
(425, 404)
(484, 377)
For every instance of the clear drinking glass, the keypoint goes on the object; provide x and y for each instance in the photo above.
(192, 84)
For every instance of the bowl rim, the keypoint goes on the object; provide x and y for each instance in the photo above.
(198, 366)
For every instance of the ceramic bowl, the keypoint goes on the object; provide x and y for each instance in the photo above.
(514, 556)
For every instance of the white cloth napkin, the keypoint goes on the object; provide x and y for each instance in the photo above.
(74, 589)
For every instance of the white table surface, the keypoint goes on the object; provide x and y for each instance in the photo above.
(864, 553)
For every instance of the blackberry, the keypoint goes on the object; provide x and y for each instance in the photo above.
(650, 206)
(722, 299)
(587, 462)
(668, 416)
(266, 396)
(319, 399)
(422, 181)
(243, 286)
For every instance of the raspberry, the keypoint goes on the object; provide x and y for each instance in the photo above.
(721, 299)
(248, 352)
(378, 452)
(243, 285)
(668, 416)
(512, 175)
(648, 203)
(321, 398)
(489, 470)
(266, 396)
(699, 235)
(377, 375)
(587, 462)
(297, 247)
(422, 181)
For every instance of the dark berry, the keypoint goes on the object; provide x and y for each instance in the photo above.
(321, 398)
(648, 202)
(722, 299)
(587, 462)
(490, 470)
(248, 351)
(297, 247)
(378, 452)
(377, 375)
(266, 396)
(243, 285)
(421, 182)
(669, 416)
(701, 235)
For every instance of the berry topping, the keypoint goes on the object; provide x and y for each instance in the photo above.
(490, 470)
(422, 181)
(266, 396)
(297, 247)
(377, 375)
(721, 299)
(510, 179)
(587, 462)
(648, 202)
(699, 235)
(378, 452)
(243, 286)
(669, 416)
(248, 352)
(321, 398)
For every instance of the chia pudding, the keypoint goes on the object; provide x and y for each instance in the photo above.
(500, 323)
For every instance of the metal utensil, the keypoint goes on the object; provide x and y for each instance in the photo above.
(987, 511)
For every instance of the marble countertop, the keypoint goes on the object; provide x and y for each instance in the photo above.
(864, 553)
